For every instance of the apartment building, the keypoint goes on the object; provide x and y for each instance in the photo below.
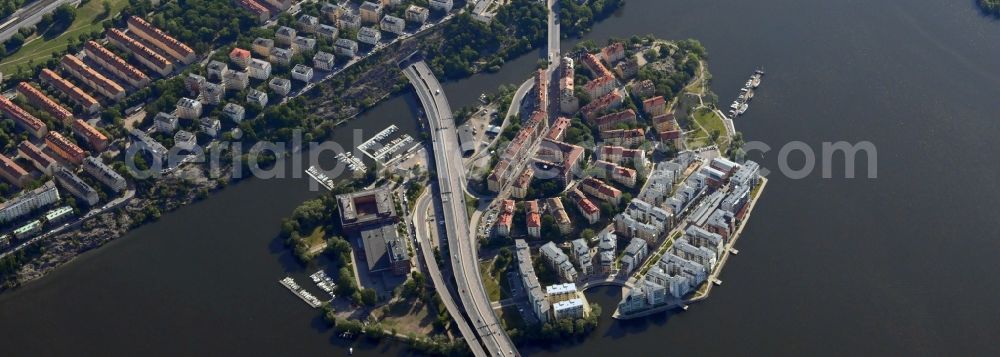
(160, 39)
(143, 54)
(42, 101)
(22, 118)
(188, 108)
(64, 148)
(93, 137)
(104, 173)
(76, 186)
(42, 161)
(92, 78)
(116, 65)
(74, 93)
(28, 202)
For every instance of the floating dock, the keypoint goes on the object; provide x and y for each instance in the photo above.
(742, 102)
(320, 177)
(294, 287)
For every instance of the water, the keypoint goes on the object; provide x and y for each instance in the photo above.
(901, 264)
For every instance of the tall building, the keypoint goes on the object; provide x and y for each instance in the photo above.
(28, 202)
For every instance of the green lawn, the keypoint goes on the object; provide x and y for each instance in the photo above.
(711, 122)
(38, 49)
(489, 281)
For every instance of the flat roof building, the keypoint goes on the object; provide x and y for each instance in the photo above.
(28, 202)
(76, 186)
(365, 208)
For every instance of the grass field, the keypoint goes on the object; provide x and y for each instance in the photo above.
(489, 281)
(709, 121)
(39, 49)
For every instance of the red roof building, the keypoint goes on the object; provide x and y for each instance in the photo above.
(144, 54)
(64, 148)
(612, 120)
(92, 78)
(12, 172)
(655, 106)
(160, 39)
(94, 137)
(22, 118)
(42, 101)
(74, 93)
(42, 161)
(114, 64)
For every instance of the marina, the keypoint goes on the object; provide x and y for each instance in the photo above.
(320, 177)
(385, 148)
(353, 163)
(324, 282)
(742, 102)
(294, 287)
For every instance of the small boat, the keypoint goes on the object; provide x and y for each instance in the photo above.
(350, 351)
(756, 80)
(685, 307)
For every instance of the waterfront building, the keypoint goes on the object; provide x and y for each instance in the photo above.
(165, 123)
(533, 219)
(262, 46)
(28, 202)
(392, 24)
(370, 12)
(234, 112)
(12, 172)
(64, 148)
(185, 140)
(74, 93)
(280, 86)
(536, 297)
(116, 65)
(143, 54)
(569, 309)
(417, 14)
(76, 186)
(284, 36)
(558, 261)
(257, 97)
(28, 230)
(302, 73)
(160, 39)
(259, 69)
(188, 108)
(721, 222)
(324, 61)
(701, 255)
(22, 118)
(366, 208)
(385, 250)
(613, 53)
(40, 100)
(104, 173)
(94, 138)
(369, 35)
(346, 48)
(42, 161)
(58, 215)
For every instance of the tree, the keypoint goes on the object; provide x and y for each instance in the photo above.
(368, 297)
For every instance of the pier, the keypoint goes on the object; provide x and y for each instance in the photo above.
(294, 287)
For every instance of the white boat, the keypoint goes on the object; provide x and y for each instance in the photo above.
(743, 108)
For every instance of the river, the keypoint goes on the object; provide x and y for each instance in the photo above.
(900, 264)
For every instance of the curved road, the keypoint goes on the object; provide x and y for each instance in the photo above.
(451, 180)
(423, 235)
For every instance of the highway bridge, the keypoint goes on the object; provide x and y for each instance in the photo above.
(462, 244)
